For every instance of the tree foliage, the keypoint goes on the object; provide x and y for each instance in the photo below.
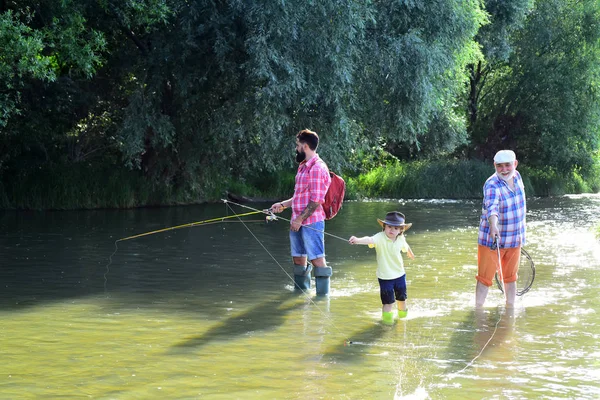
(192, 92)
(544, 102)
(203, 85)
(505, 18)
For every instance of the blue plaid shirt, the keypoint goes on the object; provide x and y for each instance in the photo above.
(509, 206)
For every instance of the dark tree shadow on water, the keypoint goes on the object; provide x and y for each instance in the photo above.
(50, 257)
(265, 316)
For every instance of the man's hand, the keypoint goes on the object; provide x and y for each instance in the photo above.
(277, 208)
(494, 231)
(296, 224)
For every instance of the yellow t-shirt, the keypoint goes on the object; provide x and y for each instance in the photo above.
(389, 258)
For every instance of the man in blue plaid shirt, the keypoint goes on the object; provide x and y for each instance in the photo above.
(503, 219)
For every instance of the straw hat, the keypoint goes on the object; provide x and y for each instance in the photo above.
(395, 218)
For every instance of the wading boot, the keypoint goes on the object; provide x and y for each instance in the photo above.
(302, 277)
(387, 317)
(322, 275)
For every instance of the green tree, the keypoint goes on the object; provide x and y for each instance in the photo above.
(195, 91)
(544, 103)
(67, 109)
(495, 39)
(36, 44)
(226, 87)
(45, 48)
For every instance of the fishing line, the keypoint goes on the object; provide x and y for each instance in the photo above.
(189, 225)
(305, 293)
(500, 273)
(480, 353)
(285, 219)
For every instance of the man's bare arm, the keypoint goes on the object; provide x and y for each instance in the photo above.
(309, 210)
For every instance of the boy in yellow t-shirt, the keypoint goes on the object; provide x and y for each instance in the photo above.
(390, 268)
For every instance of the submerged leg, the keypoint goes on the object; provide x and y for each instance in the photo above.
(481, 292)
(402, 310)
(511, 293)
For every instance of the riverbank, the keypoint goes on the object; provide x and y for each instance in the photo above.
(87, 187)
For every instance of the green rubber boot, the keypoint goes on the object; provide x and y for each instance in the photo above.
(402, 314)
(302, 277)
(322, 275)
(387, 317)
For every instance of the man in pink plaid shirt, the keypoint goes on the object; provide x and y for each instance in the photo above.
(307, 237)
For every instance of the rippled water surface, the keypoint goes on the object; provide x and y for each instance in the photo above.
(209, 311)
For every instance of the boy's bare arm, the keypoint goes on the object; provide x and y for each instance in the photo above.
(410, 254)
(362, 240)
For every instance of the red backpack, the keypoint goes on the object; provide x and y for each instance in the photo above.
(334, 196)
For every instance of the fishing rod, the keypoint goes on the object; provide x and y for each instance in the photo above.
(188, 225)
(191, 224)
(273, 217)
(499, 267)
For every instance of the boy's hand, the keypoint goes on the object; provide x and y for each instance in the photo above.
(410, 254)
(352, 239)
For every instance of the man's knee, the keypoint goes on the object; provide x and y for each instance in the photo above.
(484, 281)
(299, 260)
(318, 262)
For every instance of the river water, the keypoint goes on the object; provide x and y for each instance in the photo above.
(209, 311)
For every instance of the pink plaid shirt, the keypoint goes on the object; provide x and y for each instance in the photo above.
(312, 182)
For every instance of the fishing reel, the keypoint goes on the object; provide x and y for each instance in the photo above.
(270, 216)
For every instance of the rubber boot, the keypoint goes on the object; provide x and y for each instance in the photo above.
(387, 317)
(302, 277)
(402, 313)
(322, 275)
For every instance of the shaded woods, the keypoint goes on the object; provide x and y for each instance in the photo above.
(123, 104)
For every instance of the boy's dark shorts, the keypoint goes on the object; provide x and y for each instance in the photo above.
(392, 290)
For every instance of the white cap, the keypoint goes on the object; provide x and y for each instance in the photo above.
(504, 156)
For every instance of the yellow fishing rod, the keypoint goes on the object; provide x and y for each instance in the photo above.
(189, 225)
(207, 221)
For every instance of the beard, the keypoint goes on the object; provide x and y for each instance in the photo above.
(506, 177)
(300, 156)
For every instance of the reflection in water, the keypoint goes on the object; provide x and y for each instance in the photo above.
(492, 336)
(494, 333)
(207, 313)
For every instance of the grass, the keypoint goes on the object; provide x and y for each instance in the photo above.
(459, 179)
(88, 187)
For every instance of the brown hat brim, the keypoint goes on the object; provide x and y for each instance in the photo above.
(405, 226)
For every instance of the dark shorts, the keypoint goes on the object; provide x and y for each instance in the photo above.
(392, 290)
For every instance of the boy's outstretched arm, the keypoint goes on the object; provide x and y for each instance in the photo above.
(410, 254)
(362, 240)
